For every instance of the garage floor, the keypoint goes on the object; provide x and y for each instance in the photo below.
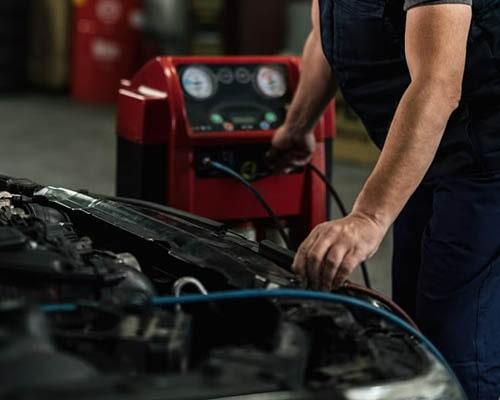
(56, 141)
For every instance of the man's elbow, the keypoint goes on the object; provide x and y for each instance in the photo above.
(451, 91)
(445, 91)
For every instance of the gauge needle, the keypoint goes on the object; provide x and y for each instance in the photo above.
(190, 82)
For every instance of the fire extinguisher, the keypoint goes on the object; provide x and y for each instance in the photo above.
(106, 47)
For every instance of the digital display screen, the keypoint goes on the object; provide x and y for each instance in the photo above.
(244, 119)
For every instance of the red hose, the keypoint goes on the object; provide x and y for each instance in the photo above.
(353, 287)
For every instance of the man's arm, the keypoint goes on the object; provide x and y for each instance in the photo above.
(436, 43)
(294, 142)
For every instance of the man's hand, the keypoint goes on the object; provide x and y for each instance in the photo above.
(293, 146)
(290, 150)
(334, 249)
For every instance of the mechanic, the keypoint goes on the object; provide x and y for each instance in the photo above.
(424, 76)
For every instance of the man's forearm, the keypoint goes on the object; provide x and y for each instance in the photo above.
(410, 148)
(316, 88)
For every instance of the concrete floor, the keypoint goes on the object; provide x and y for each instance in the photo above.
(53, 140)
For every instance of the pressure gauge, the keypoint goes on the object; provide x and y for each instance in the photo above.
(199, 82)
(271, 81)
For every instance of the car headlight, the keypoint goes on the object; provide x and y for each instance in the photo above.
(437, 384)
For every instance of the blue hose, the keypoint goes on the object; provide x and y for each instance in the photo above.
(306, 295)
(278, 293)
(58, 308)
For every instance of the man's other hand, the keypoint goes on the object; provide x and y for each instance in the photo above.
(290, 150)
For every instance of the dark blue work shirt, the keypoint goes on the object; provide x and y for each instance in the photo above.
(364, 42)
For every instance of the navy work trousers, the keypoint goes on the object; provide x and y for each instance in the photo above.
(446, 274)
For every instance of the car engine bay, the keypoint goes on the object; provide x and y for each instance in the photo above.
(88, 309)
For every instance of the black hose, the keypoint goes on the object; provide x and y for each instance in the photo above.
(343, 210)
(233, 174)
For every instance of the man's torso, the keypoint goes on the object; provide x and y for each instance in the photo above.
(364, 42)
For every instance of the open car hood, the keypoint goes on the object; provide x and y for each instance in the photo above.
(107, 298)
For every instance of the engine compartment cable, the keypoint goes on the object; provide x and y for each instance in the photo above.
(344, 213)
(179, 284)
(233, 174)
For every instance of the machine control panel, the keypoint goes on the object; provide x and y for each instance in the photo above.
(248, 97)
(248, 161)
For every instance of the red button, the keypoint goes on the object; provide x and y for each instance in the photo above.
(228, 126)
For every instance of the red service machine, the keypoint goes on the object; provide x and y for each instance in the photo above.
(179, 111)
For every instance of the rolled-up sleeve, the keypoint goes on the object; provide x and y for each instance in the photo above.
(413, 3)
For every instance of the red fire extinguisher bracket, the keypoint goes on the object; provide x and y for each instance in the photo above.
(106, 43)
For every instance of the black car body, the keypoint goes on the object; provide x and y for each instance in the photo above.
(100, 299)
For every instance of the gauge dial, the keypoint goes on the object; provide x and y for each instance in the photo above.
(271, 81)
(225, 76)
(243, 76)
(199, 83)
